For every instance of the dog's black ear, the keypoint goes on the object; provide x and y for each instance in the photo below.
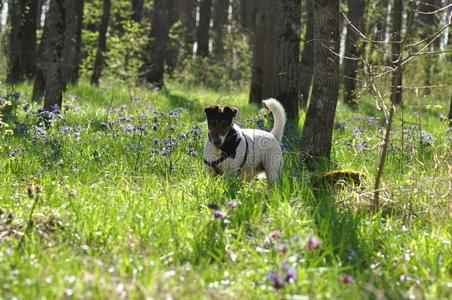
(232, 111)
(209, 110)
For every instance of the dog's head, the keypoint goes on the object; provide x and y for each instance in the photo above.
(219, 122)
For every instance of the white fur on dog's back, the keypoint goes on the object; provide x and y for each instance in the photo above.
(279, 117)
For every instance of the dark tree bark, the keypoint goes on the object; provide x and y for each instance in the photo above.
(137, 10)
(99, 61)
(50, 79)
(22, 40)
(353, 50)
(28, 40)
(316, 139)
(270, 42)
(188, 22)
(257, 70)
(396, 39)
(203, 32)
(220, 20)
(73, 39)
(154, 61)
(286, 71)
(264, 48)
(307, 59)
(247, 13)
(173, 48)
(15, 66)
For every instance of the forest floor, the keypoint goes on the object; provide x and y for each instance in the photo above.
(122, 207)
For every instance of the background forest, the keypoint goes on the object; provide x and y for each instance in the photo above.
(103, 191)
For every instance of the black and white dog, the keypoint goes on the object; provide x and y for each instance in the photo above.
(233, 151)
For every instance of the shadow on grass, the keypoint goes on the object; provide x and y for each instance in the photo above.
(340, 229)
(177, 100)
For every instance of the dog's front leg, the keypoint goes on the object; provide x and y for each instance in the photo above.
(210, 171)
(231, 173)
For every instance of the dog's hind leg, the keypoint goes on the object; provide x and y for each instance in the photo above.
(272, 167)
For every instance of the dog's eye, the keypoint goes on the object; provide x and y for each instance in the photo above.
(213, 123)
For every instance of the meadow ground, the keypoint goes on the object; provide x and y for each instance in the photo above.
(125, 209)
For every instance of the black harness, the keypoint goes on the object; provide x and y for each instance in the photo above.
(228, 149)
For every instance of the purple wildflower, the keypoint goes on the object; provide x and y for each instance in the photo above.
(65, 129)
(275, 234)
(170, 144)
(357, 131)
(313, 243)
(275, 279)
(213, 206)
(14, 152)
(155, 142)
(233, 204)
(346, 278)
(196, 131)
(192, 152)
(282, 249)
(140, 127)
(166, 152)
(26, 106)
(291, 273)
(218, 214)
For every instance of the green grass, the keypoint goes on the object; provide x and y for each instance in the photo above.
(116, 221)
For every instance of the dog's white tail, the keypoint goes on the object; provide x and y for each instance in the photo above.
(279, 117)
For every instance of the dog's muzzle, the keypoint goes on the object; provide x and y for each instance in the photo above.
(216, 141)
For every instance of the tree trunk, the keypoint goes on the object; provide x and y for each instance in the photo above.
(137, 10)
(50, 79)
(247, 13)
(99, 61)
(188, 21)
(15, 65)
(73, 38)
(203, 32)
(271, 43)
(29, 23)
(353, 50)
(307, 62)
(173, 46)
(257, 72)
(154, 63)
(396, 39)
(220, 20)
(264, 48)
(316, 139)
(286, 71)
